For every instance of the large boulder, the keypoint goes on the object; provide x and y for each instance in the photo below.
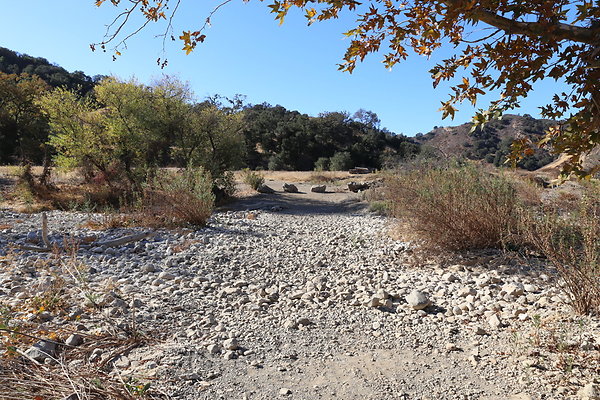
(357, 186)
(265, 189)
(290, 188)
(318, 189)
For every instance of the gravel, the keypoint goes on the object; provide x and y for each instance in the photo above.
(303, 306)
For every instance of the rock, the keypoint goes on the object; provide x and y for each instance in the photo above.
(467, 291)
(231, 344)
(417, 300)
(318, 189)
(357, 186)
(265, 189)
(520, 396)
(494, 322)
(513, 289)
(74, 340)
(167, 276)
(285, 391)
(41, 351)
(480, 331)
(213, 349)
(449, 277)
(451, 347)
(590, 391)
(230, 355)
(290, 188)
(148, 268)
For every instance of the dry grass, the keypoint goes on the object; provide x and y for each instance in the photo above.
(454, 207)
(180, 198)
(571, 242)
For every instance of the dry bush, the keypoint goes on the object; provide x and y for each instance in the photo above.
(454, 207)
(180, 198)
(320, 177)
(572, 243)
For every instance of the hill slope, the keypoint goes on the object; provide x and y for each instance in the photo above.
(492, 143)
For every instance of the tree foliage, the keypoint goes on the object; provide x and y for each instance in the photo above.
(277, 138)
(127, 130)
(520, 44)
(23, 129)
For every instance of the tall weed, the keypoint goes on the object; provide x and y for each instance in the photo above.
(182, 197)
(454, 206)
(571, 242)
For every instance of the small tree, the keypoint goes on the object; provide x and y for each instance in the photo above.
(341, 161)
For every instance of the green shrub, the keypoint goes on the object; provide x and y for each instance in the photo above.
(252, 178)
(322, 164)
(182, 197)
(341, 161)
(454, 207)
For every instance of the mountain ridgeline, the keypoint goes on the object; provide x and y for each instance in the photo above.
(490, 144)
(12, 62)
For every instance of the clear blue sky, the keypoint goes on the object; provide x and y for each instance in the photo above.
(246, 52)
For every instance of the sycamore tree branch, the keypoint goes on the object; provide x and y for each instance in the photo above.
(558, 30)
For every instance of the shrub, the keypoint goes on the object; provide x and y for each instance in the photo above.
(454, 207)
(341, 161)
(276, 163)
(252, 178)
(570, 242)
(183, 197)
(322, 164)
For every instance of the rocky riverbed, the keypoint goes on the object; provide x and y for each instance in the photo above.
(303, 303)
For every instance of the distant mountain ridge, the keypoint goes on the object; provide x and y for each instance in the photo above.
(492, 143)
(12, 62)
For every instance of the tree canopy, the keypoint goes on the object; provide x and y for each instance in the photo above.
(521, 43)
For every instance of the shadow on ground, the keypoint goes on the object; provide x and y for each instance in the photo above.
(301, 203)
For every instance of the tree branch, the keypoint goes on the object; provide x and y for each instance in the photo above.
(559, 31)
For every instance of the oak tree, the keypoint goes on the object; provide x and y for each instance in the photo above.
(499, 45)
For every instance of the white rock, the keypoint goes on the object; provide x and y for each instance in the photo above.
(231, 344)
(590, 391)
(417, 300)
(494, 322)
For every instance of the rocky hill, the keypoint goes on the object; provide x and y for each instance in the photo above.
(492, 143)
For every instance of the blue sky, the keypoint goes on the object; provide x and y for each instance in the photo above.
(246, 52)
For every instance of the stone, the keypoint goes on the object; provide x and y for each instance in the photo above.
(265, 189)
(290, 188)
(167, 276)
(480, 331)
(513, 289)
(231, 344)
(318, 188)
(41, 351)
(357, 186)
(213, 349)
(74, 340)
(590, 391)
(451, 347)
(417, 300)
(148, 268)
(494, 322)
(449, 277)
(285, 391)
(467, 291)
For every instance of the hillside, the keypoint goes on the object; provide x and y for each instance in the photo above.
(492, 143)
(12, 62)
